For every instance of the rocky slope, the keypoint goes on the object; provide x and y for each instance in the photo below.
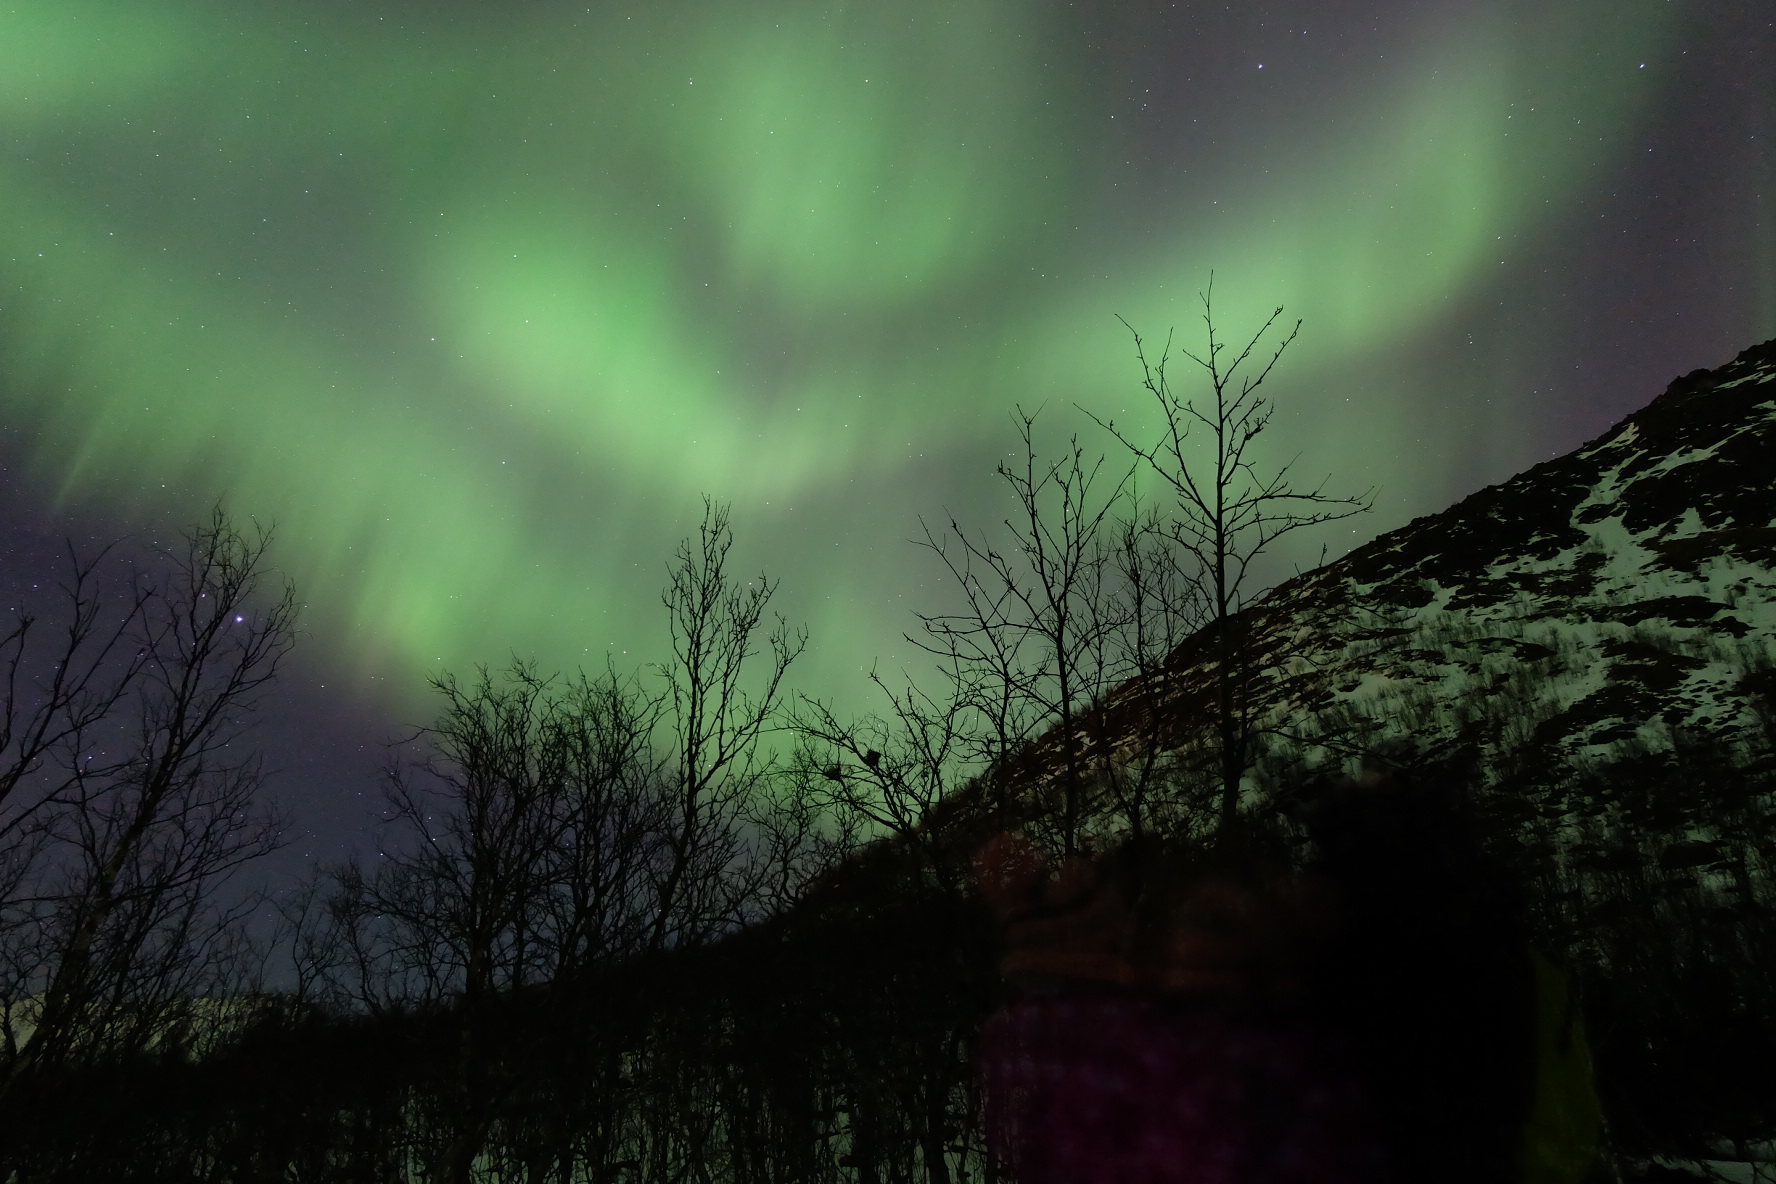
(1616, 604)
(1621, 591)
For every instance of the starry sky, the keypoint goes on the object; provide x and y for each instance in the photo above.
(477, 300)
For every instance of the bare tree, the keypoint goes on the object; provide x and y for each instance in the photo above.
(316, 942)
(1227, 510)
(524, 840)
(1150, 606)
(797, 837)
(54, 691)
(143, 798)
(464, 895)
(552, 828)
(610, 816)
(1052, 669)
(724, 685)
(891, 774)
(1028, 648)
(525, 835)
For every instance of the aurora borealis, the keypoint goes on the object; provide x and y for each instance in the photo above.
(477, 300)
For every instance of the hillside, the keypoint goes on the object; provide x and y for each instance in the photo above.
(1612, 604)
(1621, 592)
(1594, 643)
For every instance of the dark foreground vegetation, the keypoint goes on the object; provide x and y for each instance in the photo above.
(833, 1044)
(681, 924)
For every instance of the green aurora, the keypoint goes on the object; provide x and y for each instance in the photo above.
(477, 303)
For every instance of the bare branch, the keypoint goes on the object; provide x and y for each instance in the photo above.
(1226, 511)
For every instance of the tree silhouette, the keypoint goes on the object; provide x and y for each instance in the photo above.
(719, 702)
(132, 799)
(1227, 507)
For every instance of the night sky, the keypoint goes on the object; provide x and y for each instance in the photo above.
(476, 301)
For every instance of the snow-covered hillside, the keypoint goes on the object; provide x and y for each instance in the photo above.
(1621, 592)
(1594, 639)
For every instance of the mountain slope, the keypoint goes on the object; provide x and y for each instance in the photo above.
(1594, 640)
(1620, 596)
